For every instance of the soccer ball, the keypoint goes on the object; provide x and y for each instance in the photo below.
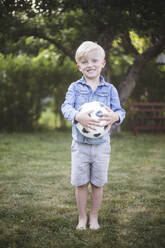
(98, 111)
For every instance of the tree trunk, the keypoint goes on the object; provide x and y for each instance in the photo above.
(105, 41)
(127, 86)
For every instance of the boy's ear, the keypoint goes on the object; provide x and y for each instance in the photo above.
(78, 66)
(104, 63)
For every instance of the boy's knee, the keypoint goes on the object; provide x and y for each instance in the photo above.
(83, 186)
(95, 186)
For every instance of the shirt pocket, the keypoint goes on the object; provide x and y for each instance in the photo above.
(82, 97)
(103, 97)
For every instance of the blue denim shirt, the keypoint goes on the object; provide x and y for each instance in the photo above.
(79, 93)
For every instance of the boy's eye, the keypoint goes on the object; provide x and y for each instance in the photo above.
(94, 60)
(84, 62)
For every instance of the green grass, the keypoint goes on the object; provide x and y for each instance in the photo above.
(37, 202)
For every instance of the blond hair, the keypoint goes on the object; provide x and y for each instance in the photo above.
(86, 47)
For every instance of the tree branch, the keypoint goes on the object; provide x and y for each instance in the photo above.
(127, 44)
(127, 86)
(54, 41)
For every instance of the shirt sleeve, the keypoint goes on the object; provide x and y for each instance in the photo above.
(67, 107)
(115, 105)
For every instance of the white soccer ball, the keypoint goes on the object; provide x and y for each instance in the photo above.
(98, 111)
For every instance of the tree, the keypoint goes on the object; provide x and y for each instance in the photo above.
(115, 20)
(67, 23)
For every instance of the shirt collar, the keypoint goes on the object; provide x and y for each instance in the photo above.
(102, 81)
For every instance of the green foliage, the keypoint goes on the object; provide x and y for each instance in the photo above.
(23, 83)
(141, 44)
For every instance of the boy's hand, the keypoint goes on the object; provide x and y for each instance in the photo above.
(110, 117)
(86, 121)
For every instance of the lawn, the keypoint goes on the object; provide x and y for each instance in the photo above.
(37, 202)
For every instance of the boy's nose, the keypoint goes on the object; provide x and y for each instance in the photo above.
(90, 63)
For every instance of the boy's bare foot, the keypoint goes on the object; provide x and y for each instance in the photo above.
(82, 224)
(94, 225)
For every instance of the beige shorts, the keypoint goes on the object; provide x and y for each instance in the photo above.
(90, 163)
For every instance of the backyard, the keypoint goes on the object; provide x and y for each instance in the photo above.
(37, 201)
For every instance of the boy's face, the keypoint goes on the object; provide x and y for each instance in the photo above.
(91, 65)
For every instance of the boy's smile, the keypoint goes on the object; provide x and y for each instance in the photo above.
(91, 65)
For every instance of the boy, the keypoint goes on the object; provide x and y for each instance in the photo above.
(90, 157)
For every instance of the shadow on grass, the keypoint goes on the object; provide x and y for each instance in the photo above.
(147, 231)
(32, 228)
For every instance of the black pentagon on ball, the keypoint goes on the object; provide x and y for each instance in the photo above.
(99, 113)
(97, 134)
(84, 130)
(105, 127)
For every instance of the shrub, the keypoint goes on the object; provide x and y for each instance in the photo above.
(23, 83)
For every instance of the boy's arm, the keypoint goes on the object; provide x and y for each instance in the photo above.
(67, 107)
(116, 113)
(115, 105)
(72, 115)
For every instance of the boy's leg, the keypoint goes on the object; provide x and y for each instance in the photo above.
(99, 176)
(81, 198)
(96, 199)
